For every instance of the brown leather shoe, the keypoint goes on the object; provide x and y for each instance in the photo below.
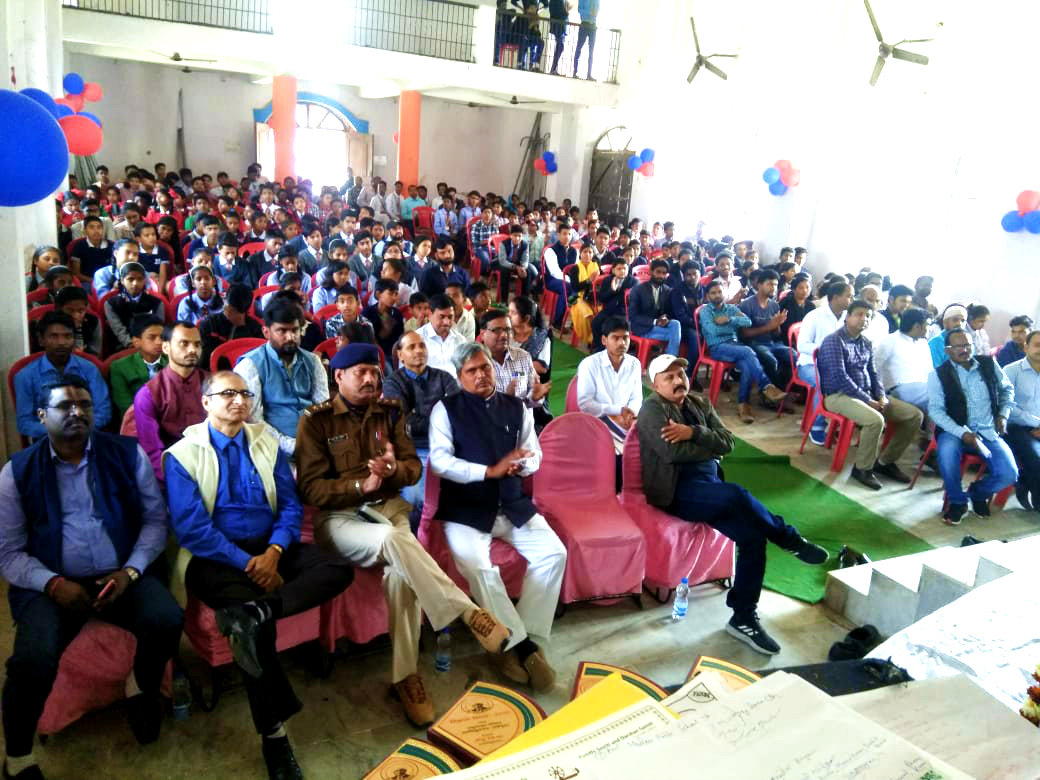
(491, 634)
(744, 413)
(418, 707)
(543, 678)
(774, 393)
(508, 665)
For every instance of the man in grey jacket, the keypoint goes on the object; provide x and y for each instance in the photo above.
(681, 441)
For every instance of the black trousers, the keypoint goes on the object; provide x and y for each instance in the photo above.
(312, 576)
(44, 630)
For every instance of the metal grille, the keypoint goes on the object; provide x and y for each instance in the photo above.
(244, 15)
(530, 42)
(431, 28)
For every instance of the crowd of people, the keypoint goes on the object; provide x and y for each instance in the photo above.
(398, 335)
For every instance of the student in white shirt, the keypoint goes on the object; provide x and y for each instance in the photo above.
(818, 325)
(904, 361)
(610, 383)
(440, 338)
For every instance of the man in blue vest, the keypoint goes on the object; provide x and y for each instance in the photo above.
(482, 443)
(283, 378)
(82, 521)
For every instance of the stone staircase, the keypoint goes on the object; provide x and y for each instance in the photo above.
(894, 593)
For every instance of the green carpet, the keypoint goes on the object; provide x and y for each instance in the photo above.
(821, 513)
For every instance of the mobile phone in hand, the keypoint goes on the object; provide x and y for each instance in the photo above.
(109, 587)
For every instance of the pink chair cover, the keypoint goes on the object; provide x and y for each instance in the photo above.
(91, 675)
(571, 404)
(511, 565)
(675, 548)
(200, 626)
(574, 490)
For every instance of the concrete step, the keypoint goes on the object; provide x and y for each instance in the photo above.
(996, 561)
(948, 575)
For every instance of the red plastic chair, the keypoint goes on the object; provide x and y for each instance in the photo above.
(250, 248)
(716, 368)
(232, 351)
(171, 287)
(796, 381)
(675, 548)
(967, 460)
(839, 427)
(172, 304)
(328, 349)
(422, 221)
(641, 273)
(495, 277)
(574, 491)
(266, 277)
(260, 292)
(108, 361)
(642, 344)
(39, 294)
(595, 288)
(17, 366)
(39, 311)
(326, 312)
(571, 404)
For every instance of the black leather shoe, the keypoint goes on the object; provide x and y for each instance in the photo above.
(892, 472)
(29, 773)
(866, 478)
(241, 628)
(810, 553)
(281, 763)
(144, 713)
(1022, 494)
(954, 513)
(980, 506)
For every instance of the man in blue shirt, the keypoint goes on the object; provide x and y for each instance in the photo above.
(719, 324)
(764, 334)
(588, 10)
(970, 401)
(1015, 347)
(233, 506)
(437, 276)
(409, 204)
(953, 317)
(1023, 433)
(56, 334)
(82, 522)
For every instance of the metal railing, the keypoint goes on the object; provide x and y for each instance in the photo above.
(244, 15)
(432, 28)
(525, 41)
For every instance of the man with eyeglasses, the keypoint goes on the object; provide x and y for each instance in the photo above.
(284, 378)
(82, 534)
(970, 400)
(234, 507)
(514, 370)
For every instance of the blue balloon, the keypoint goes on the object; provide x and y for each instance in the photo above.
(778, 188)
(73, 84)
(551, 167)
(1011, 222)
(91, 117)
(63, 111)
(42, 98)
(548, 157)
(1032, 221)
(634, 162)
(647, 155)
(34, 157)
(771, 175)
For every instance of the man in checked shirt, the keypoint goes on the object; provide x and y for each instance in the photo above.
(514, 371)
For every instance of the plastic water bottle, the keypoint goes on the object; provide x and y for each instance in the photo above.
(682, 600)
(443, 657)
(181, 697)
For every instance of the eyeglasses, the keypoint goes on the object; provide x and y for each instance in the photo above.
(231, 393)
(499, 331)
(66, 406)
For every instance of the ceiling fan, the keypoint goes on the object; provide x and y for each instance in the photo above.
(514, 101)
(892, 50)
(176, 57)
(702, 60)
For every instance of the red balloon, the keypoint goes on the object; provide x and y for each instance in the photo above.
(83, 135)
(92, 91)
(794, 178)
(397, 138)
(75, 102)
(782, 165)
(539, 165)
(64, 102)
(1028, 200)
(647, 169)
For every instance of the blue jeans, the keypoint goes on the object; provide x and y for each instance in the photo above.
(414, 494)
(693, 346)
(671, 333)
(485, 259)
(552, 284)
(585, 33)
(1027, 453)
(1000, 469)
(775, 359)
(808, 375)
(734, 512)
(746, 361)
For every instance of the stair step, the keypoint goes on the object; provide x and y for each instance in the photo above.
(891, 605)
(847, 586)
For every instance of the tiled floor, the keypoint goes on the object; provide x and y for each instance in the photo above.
(349, 721)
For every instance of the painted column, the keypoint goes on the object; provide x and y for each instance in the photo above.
(283, 122)
(409, 114)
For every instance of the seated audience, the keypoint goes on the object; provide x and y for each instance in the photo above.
(719, 323)
(899, 299)
(123, 251)
(580, 281)
(128, 374)
(555, 258)
(850, 386)
(90, 253)
(978, 316)
(479, 236)
(439, 334)
(419, 306)
(131, 299)
(1023, 428)
(465, 319)
(233, 506)
(903, 360)
(610, 382)
(687, 295)
(764, 334)
(365, 519)
(437, 276)
(797, 303)
(73, 300)
(953, 318)
(611, 298)
(1014, 348)
(363, 262)
(283, 377)
(82, 534)
(648, 307)
(817, 325)
(387, 320)
(231, 322)
(515, 261)
(44, 257)
(877, 326)
(204, 301)
(156, 259)
(172, 399)
(393, 269)
(266, 260)
(482, 443)
(733, 290)
(922, 289)
(970, 400)
(514, 370)
(681, 442)
(55, 332)
(349, 311)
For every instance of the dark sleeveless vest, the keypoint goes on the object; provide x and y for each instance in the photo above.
(956, 401)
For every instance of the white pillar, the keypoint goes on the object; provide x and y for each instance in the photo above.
(31, 44)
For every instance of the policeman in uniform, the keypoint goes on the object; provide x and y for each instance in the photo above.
(353, 456)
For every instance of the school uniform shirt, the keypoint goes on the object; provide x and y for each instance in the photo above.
(193, 309)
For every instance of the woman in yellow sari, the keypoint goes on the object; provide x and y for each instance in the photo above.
(580, 282)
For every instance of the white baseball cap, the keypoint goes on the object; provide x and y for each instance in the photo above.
(663, 363)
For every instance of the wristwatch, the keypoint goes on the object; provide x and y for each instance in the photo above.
(132, 573)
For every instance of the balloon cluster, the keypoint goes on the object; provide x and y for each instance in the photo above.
(82, 129)
(546, 164)
(1026, 216)
(643, 162)
(781, 177)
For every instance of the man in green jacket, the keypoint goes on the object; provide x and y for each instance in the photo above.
(127, 375)
(681, 440)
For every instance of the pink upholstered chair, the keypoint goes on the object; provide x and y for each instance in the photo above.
(675, 548)
(511, 564)
(571, 404)
(574, 490)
